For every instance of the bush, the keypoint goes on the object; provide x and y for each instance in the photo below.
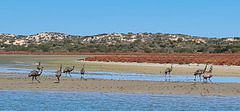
(44, 47)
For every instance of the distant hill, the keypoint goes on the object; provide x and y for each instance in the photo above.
(118, 42)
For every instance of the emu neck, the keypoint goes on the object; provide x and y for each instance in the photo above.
(205, 68)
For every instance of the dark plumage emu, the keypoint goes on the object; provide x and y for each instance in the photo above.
(68, 70)
(35, 73)
(168, 71)
(208, 75)
(199, 72)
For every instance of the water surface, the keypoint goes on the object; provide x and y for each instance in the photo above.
(12, 71)
(25, 100)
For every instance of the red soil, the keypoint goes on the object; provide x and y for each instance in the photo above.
(175, 58)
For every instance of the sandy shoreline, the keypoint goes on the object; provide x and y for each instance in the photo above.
(154, 68)
(52, 62)
(126, 86)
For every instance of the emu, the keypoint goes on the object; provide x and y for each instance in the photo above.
(68, 70)
(168, 71)
(35, 73)
(59, 73)
(82, 70)
(208, 74)
(200, 72)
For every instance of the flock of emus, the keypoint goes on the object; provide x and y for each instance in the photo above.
(67, 70)
(205, 74)
(200, 72)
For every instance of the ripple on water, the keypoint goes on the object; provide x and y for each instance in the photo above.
(63, 100)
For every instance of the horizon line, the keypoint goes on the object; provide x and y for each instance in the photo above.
(119, 33)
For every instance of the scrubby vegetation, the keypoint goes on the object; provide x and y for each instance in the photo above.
(113, 42)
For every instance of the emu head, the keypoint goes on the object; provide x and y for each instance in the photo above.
(211, 68)
(41, 69)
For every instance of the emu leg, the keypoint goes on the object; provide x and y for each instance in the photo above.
(210, 80)
(36, 79)
(32, 78)
(58, 78)
(195, 78)
(169, 76)
(200, 77)
(165, 76)
(69, 74)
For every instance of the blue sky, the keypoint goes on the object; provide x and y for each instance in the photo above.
(208, 18)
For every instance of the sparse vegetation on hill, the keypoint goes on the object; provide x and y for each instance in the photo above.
(115, 42)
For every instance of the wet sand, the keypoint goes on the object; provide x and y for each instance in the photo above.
(125, 86)
(154, 68)
(52, 62)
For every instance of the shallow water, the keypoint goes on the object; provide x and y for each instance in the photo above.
(24, 100)
(12, 71)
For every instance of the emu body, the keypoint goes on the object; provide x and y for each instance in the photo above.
(59, 73)
(35, 73)
(199, 72)
(208, 74)
(68, 70)
(168, 71)
(82, 71)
